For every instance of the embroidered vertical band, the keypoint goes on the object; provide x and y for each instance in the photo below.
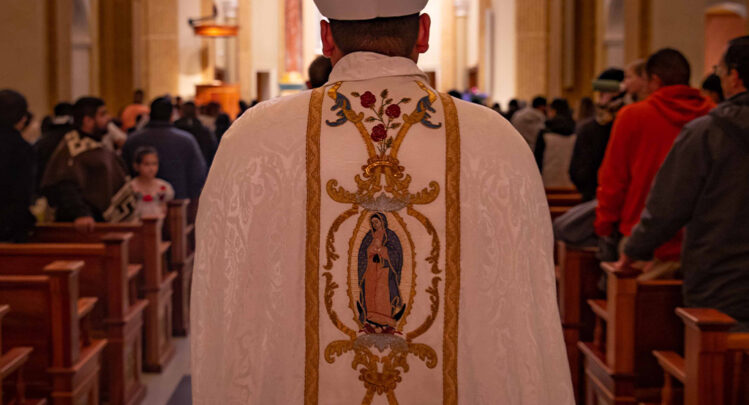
(312, 279)
(452, 252)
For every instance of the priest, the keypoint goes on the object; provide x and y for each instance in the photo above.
(375, 241)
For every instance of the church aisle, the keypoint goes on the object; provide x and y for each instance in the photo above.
(161, 388)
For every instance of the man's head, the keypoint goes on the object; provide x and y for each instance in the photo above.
(711, 88)
(636, 80)
(608, 85)
(733, 68)
(138, 96)
(189, 110)
(319, 71)
(559, 107)
(405, 36)
(539, 103)
(161, 109)
(667, 67)
(13, 109)
(63, 109)
(90, 116)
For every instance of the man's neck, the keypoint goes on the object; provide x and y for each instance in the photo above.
(88, 134)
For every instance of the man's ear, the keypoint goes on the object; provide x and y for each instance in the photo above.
(654, 82)
(422, 41)
(328, 45)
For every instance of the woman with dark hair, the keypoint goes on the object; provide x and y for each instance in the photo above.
(555, 144)
(380, 262)
(712, 89)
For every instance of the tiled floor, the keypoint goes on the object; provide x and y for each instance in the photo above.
(161, 387)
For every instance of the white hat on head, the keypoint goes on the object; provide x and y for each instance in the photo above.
(368, 9)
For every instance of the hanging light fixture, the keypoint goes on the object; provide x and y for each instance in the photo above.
(207, 27)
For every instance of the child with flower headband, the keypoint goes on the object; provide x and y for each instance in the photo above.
(152, 193)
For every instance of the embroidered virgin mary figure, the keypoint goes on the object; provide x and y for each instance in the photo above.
(380, 304)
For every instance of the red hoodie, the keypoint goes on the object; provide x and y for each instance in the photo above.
(640, 140)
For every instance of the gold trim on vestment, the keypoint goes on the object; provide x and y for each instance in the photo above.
(452, 253)
(312, 279)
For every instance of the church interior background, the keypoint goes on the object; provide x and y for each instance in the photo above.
(231, 50)
(62, 49)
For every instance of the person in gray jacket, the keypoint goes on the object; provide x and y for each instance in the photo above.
(703, 185)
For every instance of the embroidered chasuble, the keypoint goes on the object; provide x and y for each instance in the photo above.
(376, 242)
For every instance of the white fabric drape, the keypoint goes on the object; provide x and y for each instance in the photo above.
(248, 308)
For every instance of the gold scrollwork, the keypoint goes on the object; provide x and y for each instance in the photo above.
(330, 287)
(434, 256)
(330, 253)
(434, 297)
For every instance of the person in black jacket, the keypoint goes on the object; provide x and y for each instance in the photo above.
(17, 167)
(53, 130)
(702, 185)
(593, 134)
(190, 123)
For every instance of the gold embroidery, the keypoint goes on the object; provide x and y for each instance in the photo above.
(381, 373)
(330, 243)
(312, 314)
(452, 253)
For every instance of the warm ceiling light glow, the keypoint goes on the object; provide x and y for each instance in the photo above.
(215, 30)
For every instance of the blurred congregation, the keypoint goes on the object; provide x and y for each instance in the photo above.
(636, 113)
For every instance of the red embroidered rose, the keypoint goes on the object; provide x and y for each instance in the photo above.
(161, 197)
(368, 99)
(147, 198)
(379, 133)
(393, 111)
(163, 188)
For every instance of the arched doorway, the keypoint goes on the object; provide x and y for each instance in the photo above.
(723, 22)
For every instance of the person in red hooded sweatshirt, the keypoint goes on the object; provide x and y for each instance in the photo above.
(640, 140)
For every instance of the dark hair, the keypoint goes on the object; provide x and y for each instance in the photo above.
(670, 66)
(319, 71)
(13, 107)
(586, 109)
(712, 83)
(561, 106)
(392, 36)
(514, 103)
(737, 57)
(538, 102)
(63, 109)
(142, 152)
(638, 67)
(86, 107)
(161, 109)
(189, 109)
(455, 93)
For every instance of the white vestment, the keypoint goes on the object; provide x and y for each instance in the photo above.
(331, 271)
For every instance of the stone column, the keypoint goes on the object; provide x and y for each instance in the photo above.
(462, 7)
(116, 56)
(60, 49)
(556, 48)
(244, 41)
(447, 42)
(485, 46)
(293, 35)
(637, 20)
(532, 48)
(159, 47)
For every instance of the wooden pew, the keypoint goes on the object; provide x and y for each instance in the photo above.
(715, 366)
(49, 316)
(561, 190)
(118, 316)
(12, 362)
(148, 249)
(181, 233)
(560, 203)
(636, 318)
(578, 273)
